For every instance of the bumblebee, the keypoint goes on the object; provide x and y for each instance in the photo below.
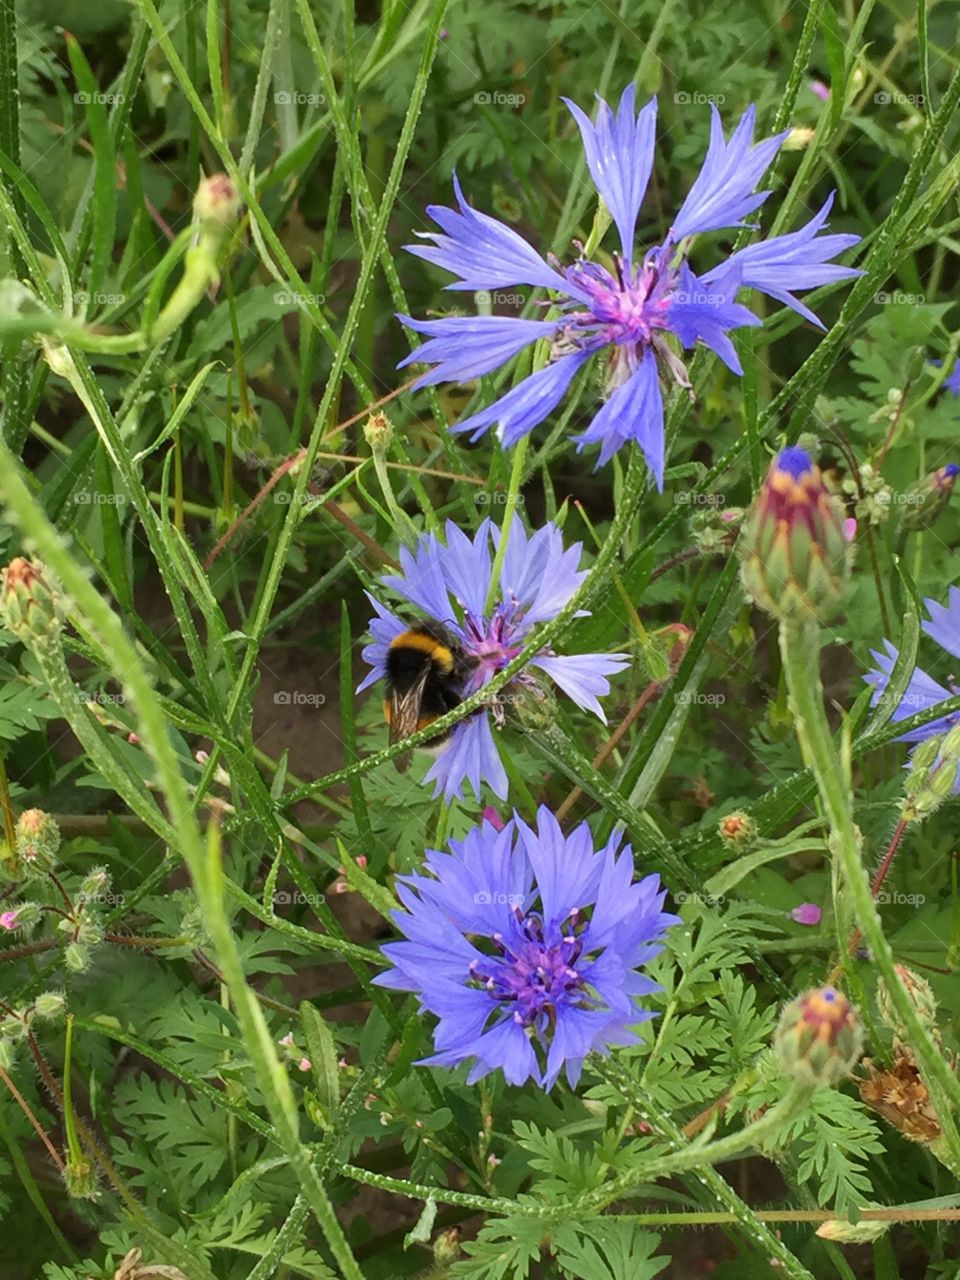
(424, 675)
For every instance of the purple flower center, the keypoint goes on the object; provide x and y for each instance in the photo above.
(490, 643)
(626, 309)
(532, 974)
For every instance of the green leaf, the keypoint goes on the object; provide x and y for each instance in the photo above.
(324, 1059)
(608, 1249)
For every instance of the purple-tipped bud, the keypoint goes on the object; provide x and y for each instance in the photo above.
(819, 1037)
(796, 553)
(924, 502)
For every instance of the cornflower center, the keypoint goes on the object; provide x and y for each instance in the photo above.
(533, 975)
(625, 309)
(490, 643)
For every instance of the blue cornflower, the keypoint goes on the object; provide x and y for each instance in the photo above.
(628, 312)
(526, 943)
(923, 691)
(449, 583)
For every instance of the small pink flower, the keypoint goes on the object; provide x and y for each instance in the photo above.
(305, 1064)
(361, 860)
(820, 89)
(287, 1039)
(850, 528)
(133, 739)
(8, 920)
(490, 815)
(806, 913)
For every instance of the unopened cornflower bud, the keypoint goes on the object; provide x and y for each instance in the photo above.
(76, 957)
(738, 831)
(819, 1037)
(38, 838)
(31, 608)
(216, 204)
(81, 1179)
(378, 432)
(796, 555)
(920, 995)
(49, 1004)
(924, 502)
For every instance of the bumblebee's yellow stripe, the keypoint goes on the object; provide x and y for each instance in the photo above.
(427, 644)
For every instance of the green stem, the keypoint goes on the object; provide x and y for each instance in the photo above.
(800, 647)
(513, 494)
(697, 1156)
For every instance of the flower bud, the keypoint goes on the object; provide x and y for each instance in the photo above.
(933, 775)
(38, 838)
(738, 831)
(76, 957)
(378, 432)
(920, 995)
(23, 916)
(446, 1247)
(819, 1037)
(796, 555)
(30, 608)
(924, 501)
(852, 1232)
(94, 885)
(81, 1179)
(49, 1004)
(216, 204)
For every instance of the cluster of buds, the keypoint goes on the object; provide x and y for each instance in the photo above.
(29, 606)
(819, 1037)
(795, 548)
(933, 774)
(714, 528)
(924, 502)
(738, 831)
(920, 995)
(16, 1023)
(873, 495)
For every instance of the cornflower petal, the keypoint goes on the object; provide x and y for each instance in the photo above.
(528, 403)
(944, 624)
(633, 412)
(583, 676)
(698, 311)
(472, 756)
(465, 347)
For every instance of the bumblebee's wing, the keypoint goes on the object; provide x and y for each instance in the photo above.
(405, 707)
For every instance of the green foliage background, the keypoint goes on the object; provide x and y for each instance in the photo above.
(213, 1151)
